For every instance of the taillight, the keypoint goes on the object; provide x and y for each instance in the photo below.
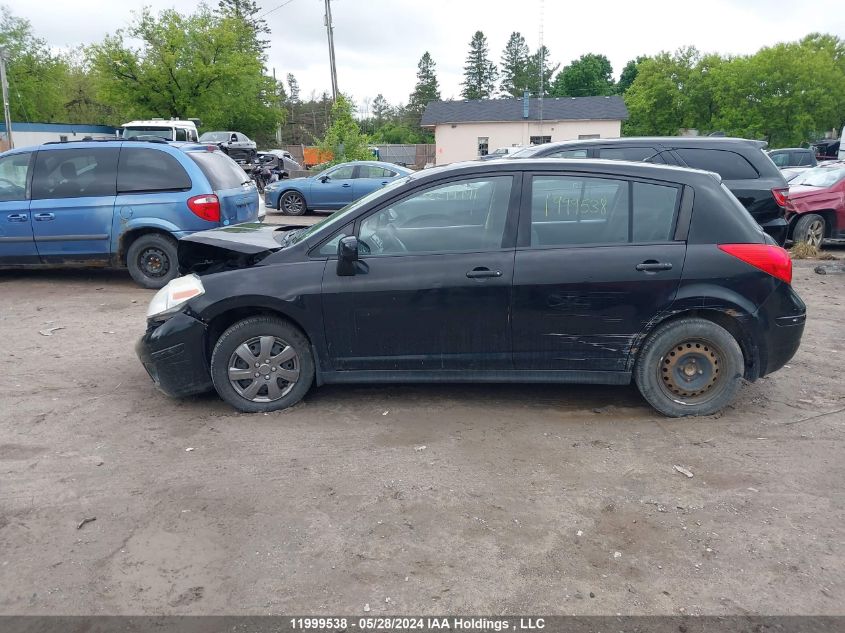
(781, 195)
(206, 206)
(770, 259)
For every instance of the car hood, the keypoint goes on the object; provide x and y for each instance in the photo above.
(229, 247)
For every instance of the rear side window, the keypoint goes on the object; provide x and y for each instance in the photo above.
(635, 154)
(181, 134)
(371, 171)
(222, 172)
(654, 212)
(74, 173)
(729, 165)
(571, 210)
(145, 170)
(803, 159)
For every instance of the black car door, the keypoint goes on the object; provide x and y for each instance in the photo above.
(432, 291)
(596, 260)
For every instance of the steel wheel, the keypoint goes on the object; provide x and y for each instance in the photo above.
(689, 371)
(154, 262)
(263, 369)
(292, 203)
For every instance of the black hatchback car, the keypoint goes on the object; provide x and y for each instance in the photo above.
(745, 167)
(500, 271)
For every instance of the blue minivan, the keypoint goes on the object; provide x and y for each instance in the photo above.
(116, 203)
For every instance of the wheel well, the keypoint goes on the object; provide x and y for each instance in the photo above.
(129, 237)
(734, 328)
(829, 216)
(223, 321)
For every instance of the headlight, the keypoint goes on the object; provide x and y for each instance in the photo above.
(170, 299)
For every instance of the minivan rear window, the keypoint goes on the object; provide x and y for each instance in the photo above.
(222, 172)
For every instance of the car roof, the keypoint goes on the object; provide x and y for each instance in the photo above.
(689, 141)
(162, 122)
(185, 146)
(790, 149)
(620, 168)
(374, 163)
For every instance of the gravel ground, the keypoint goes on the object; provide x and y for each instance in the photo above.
(412, 499)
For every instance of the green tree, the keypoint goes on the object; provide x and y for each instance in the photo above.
(35, 75)
(293, 88)
(380, 108)
(590, 75)
(247, 12)
(480, 73)
(188, 66)
(343, 137)
(514, 66)
(427, 88)
(629, 74)
(656, 100)
(533, 72)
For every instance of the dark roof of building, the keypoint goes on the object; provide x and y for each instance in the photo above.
(554, 109)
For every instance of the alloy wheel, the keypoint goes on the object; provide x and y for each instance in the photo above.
(263, 369)
(293, 203)
(815, 233)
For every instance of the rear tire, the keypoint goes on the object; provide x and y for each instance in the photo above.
(293, 203)
(274, 349)
(152, 260)
(811, 229)
(689, 367)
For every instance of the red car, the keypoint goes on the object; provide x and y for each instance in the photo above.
(815, 207)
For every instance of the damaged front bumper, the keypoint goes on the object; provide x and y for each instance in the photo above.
(173, 353)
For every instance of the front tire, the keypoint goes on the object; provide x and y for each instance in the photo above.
(689, 367)
(809, 228)
(152, 260)
(262, 364)
(292, 203)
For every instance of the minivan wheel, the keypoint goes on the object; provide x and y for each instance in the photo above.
(152, 260)
(689, 367)
(809, 228)
(262, 364)
(292, 203)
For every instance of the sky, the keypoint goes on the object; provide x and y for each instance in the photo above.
(379, 42)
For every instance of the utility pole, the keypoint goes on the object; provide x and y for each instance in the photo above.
(330, 32)
(6, 115)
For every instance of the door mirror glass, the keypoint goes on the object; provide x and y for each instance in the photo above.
(347, 255)
(325, 178)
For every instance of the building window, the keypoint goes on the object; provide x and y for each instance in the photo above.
(581, 137)
(62, 138)
(483, 145)
(539, 140)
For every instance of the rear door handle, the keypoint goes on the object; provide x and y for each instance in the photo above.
(44, 217)
(17, 217)
(651, 266)
(481, 273)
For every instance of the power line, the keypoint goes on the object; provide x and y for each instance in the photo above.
(284, 4)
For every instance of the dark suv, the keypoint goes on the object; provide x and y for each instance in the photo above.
(499, 271)
(744, 166)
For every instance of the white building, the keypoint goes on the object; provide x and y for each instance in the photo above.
(466, 130)
(26, 134)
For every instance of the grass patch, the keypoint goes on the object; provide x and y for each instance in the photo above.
(803, 250)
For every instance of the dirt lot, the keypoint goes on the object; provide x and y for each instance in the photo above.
(412, 499)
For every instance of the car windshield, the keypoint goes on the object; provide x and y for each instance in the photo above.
(339, 218)
(215, 137)
(821, 176)
(148, 130)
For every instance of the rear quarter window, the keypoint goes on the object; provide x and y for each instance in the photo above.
(222, 172)
(147, 170)
(729, 165)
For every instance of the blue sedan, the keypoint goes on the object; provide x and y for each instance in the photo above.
(331, 189)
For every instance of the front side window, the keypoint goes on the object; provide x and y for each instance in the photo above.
(74, 173)
(483, 145)
(569, 153)
(634, 154)
(146, 170)
(468, 215)
(341, 173)
(729, 165)
(781, 160)
(14, 171)
(803, 159)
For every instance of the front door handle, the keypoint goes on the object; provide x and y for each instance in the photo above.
(651, 266)
(346, 184)
(17, 217)
(481, 273)
(44, 217)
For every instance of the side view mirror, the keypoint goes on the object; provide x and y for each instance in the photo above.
(347, 255)
(233, 139)
(325, 178)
